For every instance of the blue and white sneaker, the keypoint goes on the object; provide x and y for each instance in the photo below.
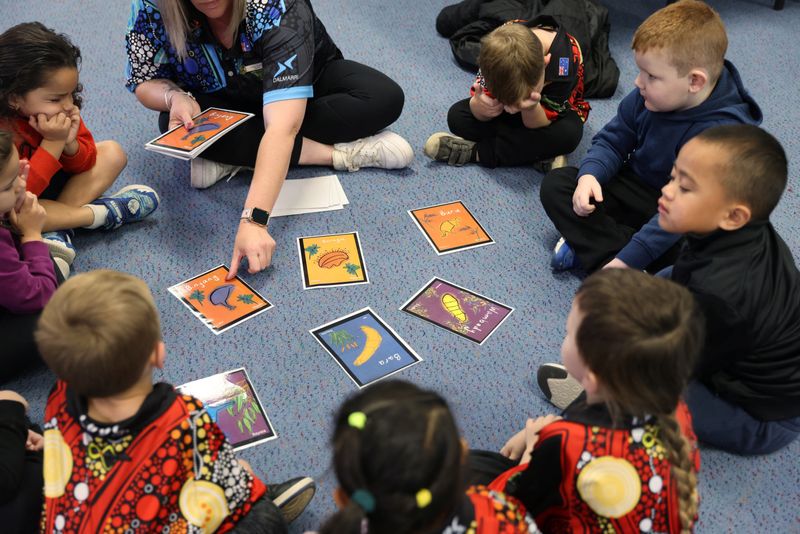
(60, 244)
(564, 257)
(130, 204)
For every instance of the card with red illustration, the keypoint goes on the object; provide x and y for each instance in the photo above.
(331, 260)
(219, 303)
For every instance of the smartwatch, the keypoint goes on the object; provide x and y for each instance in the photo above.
(256, 216)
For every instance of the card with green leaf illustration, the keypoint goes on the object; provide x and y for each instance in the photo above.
(233, 404)
(331, 260)
(219, 303)
(458, 310)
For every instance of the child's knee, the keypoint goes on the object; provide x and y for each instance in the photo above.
(112, 155)
(557, 186)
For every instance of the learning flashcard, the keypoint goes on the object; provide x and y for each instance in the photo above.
(331, 260)
(220, 303)
(450, 227)
(232, 403)
(208, 127)
(458, 310)
(365, 347)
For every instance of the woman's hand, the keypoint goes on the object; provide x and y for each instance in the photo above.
(182, 108)
(254, 243)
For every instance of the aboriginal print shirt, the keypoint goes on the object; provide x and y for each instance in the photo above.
(167, 469)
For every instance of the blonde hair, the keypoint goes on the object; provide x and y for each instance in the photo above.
(691, 34)
(98, 331)
(511, 61)
(176, 22)
(641, 335)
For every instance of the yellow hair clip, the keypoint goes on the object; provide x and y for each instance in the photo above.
(357, 420)
(424, 498)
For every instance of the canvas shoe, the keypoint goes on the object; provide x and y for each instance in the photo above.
(564, 257)
(205, 173)
(62, 266)
(449, 148)
(130, 204)
(385, 150)
(558, 385)
(292, 497)
(60, 244)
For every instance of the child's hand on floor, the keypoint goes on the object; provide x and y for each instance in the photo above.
(588, 188)
(35, 441)
(30, 218)
(56, 128)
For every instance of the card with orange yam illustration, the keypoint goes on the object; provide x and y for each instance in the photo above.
(450, 227)
(365, 347)
(219, 303)
(331, 260)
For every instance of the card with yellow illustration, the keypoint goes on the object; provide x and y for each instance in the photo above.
(450, 227)
(365, 347)
(219, 303)
(331, 260)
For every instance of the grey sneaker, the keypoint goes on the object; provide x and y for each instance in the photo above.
(60, 245)
(453, 150)
(205, 173)
(62, 266)
(292, 497)
(385, 150)
(557, 385)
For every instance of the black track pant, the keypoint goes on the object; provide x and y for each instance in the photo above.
(628, 203)
(505, 141)
(350, 101)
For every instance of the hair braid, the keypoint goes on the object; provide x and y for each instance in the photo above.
(680, 456)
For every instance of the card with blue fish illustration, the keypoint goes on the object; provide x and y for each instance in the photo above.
(365, 347)
(233, 404)
(220, 304)
(458, 310)
(209, 127)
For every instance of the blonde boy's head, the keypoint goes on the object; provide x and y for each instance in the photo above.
(512, 62)
(690, 33)
(98, 332)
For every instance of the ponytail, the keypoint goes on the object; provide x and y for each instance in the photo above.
(679, 453)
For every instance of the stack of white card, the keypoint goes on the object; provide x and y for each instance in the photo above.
(310, 195)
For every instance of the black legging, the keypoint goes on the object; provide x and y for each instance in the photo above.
(350, 101)
(506, 141)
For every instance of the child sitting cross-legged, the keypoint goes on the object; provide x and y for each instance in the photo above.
(399, 461)
(124, 454)
(622, 458)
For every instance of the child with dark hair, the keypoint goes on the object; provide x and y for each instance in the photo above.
(40, 101)
(725, 183)
(399, 460)
(526, 104)
(28, 277)
(128, 454)
(623, 457)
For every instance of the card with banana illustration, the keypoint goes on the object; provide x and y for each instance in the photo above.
(331, 260)
(365, 347)
(220, 304)
(458, 310)
(450, 227)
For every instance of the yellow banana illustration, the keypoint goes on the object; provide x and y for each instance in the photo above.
(371, 345)
(453, 307)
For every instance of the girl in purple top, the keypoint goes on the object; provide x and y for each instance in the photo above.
(27, 273)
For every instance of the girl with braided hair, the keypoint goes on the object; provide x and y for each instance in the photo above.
(623, 456)
(399, 460)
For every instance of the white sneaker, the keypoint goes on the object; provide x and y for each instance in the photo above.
(206, 173)
(385, 150)
(62, 266)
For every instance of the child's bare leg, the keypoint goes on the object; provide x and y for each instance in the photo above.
(69, 211)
